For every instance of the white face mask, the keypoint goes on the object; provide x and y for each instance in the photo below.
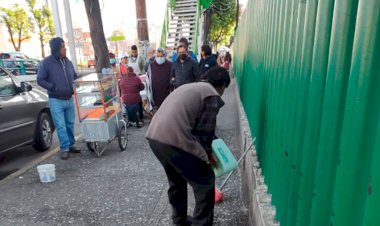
(160, 60)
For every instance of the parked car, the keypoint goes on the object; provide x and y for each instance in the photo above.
(91, 63)
(24, 115)
(19, 63)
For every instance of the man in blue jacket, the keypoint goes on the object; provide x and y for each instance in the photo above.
(56, 73)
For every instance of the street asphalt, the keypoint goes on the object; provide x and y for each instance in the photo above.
(119, 188)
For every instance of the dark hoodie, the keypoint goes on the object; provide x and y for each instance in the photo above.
(206, 64)
(184, 72)
(57, 74)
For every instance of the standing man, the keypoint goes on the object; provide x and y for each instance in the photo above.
(115, 67)
(136, 61)
(158, 80)
(208, 60)
(150, 57)
(56, 73)
(184, 42)
(180, 136)
(184, 69)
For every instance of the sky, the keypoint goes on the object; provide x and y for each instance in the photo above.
(116, 15)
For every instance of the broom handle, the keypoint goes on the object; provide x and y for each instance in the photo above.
(241, 158)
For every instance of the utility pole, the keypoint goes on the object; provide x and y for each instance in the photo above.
(142, 22)
(70, 32)
(142, 26)
(56, 18)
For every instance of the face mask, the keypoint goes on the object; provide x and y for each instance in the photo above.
(183, 56)
(160, 60)
(112, 61)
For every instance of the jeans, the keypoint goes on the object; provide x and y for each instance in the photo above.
(63, 114)
(132, 110)
(182, 168)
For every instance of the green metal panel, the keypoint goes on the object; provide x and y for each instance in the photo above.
(361, 117)
(206, 3)
(342, 34)
(165, 29)
(309, 83)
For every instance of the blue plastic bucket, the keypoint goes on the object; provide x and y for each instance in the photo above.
(226, 161)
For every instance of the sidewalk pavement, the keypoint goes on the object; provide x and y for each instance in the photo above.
(120, 188)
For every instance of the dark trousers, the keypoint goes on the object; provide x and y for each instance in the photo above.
(141, 110)
(132, 110)
(182, 168)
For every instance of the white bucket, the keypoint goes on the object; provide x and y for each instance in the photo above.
(46, 172)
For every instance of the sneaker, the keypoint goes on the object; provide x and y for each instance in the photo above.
(64, 155)
(74, 149)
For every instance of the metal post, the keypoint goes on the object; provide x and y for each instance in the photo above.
(56, 18)
(70, 32)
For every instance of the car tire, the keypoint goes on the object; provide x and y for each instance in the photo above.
(44, 132)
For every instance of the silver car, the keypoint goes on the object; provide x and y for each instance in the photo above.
(24, 115)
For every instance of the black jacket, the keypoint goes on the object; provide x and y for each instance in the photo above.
(185, 72)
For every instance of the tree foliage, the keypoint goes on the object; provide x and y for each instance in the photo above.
(43, 21)
(18, 23)
(222, 22)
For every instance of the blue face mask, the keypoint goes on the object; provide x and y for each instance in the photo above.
(160, 60)
(112, 61)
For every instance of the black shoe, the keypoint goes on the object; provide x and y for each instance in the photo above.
(64, 155)
(74, 149)
(188, 222)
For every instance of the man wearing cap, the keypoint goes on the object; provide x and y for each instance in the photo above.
(56, 73)
(124, 65)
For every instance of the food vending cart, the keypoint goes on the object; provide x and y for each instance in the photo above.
(99, 111)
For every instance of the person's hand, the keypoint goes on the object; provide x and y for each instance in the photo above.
(213, 161)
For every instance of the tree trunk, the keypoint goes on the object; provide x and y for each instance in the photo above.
(207, 25)
(42, 46)
(237, 15)
(12, 39)
(19, 40)
(97, 34)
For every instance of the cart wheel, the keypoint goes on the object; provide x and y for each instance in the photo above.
(92, 146)
(122, 137)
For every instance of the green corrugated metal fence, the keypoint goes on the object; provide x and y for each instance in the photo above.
(309, 77)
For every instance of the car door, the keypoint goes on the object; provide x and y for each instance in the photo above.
(17, 118)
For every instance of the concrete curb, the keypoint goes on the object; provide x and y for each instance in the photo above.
(255, 191)
(31, 165)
